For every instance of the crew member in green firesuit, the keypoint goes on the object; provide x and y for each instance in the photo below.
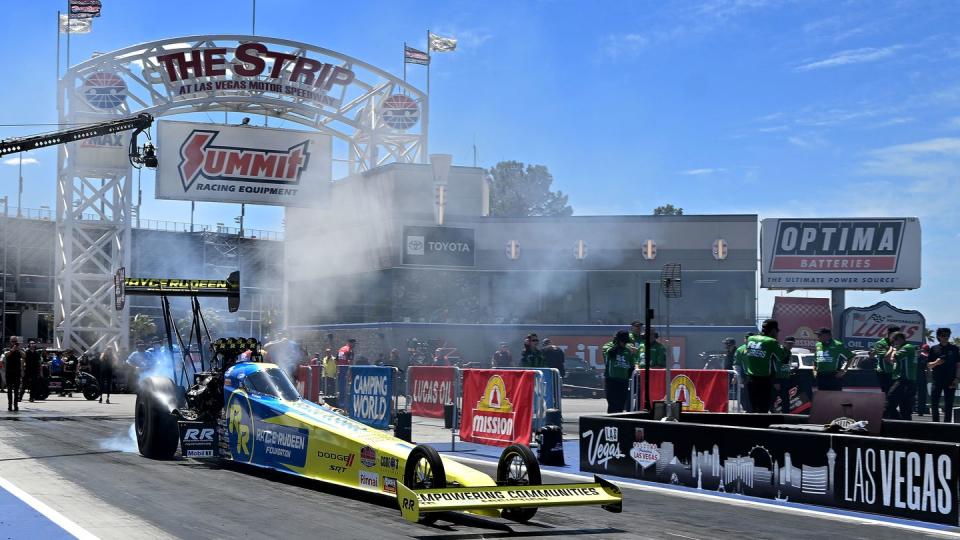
(763, 360)
(902, 359)
(658, 353)
(619, 360)
(877, 352)
(832, 361)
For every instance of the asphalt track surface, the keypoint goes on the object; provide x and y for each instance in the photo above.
(66, 463)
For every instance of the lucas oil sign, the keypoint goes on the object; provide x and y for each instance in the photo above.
(242, 164)
(846, 253)
(438, 246)
(371, 395)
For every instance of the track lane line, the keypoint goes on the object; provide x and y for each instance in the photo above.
(784, 507)
(56, 517)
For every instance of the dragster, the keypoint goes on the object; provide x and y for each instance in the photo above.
(245, 410)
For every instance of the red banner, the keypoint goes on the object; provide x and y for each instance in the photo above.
(801, 317)
(431, 387)
(697, 389)
(497, 406)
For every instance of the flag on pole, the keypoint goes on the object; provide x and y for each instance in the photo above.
(84, 9)
(70, 25)
(441, 44)
(415, 56)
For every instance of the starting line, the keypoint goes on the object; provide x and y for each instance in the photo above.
(24, 516)
(470, 453)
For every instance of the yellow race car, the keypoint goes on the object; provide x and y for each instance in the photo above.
(251, 413)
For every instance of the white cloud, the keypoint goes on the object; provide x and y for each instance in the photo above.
(15, 161)
(851, 56)
(807, 141)
(702, 172)
(933, 159)
(617, 46)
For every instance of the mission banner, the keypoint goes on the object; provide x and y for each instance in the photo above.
(242, 164)
(840, 253)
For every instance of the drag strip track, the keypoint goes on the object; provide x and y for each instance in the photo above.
(62, 463)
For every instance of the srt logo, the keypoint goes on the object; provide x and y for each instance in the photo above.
(338, 469)
(198, 435)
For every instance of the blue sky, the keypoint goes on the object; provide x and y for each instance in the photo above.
(727, 106)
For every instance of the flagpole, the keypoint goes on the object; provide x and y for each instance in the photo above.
(58, 50)
(425, 123)
(404, 62)
(68, 34)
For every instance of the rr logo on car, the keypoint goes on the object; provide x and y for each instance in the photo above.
(408, 504)
(193, 434)
(240, 428)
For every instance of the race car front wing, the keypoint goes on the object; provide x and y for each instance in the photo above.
(413, 503)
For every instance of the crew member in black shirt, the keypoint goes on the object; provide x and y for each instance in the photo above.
(31, 370)
(944, 362)
(13, 366)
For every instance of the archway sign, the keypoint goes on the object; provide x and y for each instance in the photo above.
(376, 117)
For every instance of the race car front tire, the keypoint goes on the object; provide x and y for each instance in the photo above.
(424, 470)
(518, 466)
(91, 391)
(156, 428)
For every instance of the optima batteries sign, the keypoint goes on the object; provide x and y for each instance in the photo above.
(242, 164)
(868, 253)
(438, 246)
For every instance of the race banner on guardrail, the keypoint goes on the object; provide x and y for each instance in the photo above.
(370, 394)
(497, 406)
(697, 389)
(430, 387)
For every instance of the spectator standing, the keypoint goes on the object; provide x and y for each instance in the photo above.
(902, 357)
(658, 353)
(763, 359)
(107, 362)
(923, 377)
(831, 361)
(502, 357)
(345, 354)
(13, 372)
(879, 351)
(730, 345)
(329, 363)
(554, 356)
(31, 370)
(532, 356)
(944, 363)
(739, 360)
(619, 361)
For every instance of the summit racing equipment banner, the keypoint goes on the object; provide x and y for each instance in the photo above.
(414, 503)
(431, 387)
(801, 317)
(697, 389)
(371, 395)
(862, 327)
(497, 406)
(439, 246)
(845, 253)
(242, 164)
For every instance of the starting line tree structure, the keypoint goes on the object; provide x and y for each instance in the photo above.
(374, 118)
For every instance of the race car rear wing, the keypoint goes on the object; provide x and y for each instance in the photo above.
(223, 288)
(414, 503)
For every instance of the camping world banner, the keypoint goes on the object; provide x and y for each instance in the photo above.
(497, 406)
(242, 164)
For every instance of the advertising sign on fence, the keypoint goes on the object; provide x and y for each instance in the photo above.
(801, 317)
(697, 389)
(370, 395)
(242, 164)
(439, 246)
(497, 406)
(430, 387)
(862, 327)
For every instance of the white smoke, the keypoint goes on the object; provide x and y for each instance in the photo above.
(123, 442)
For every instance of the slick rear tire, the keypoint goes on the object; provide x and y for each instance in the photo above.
(91, 392)
(518, 466)
(424, 470)
(155, 426)
(43, 391)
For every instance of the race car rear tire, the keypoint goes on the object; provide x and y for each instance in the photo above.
(43, 391)
(424, 470)
(155, 426)
(91, 391)
(518, 466)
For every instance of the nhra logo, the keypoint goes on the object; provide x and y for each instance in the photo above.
(368, 456)
(685, 392)
(198, 157)
(240, 427)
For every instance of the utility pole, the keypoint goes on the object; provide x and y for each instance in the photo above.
(3, 276)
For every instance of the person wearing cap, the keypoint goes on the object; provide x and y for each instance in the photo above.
(902, 358)
(554, 356)
(619, 361)
(878, 352)
(764, 359)
(730, 346)
(944, 364)
(658, 353)
(502, 357)
(345, 354)
(831, 361)
(636, 333)
(532, 356)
